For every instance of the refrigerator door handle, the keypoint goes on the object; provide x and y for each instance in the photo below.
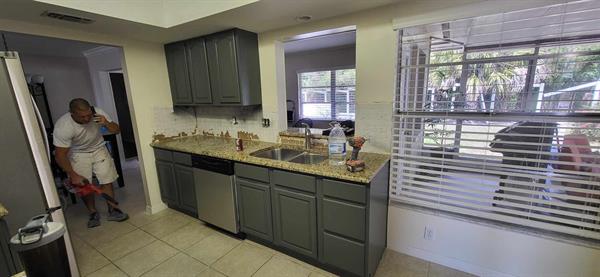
(41, 125)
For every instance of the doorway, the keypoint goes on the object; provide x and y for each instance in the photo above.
(117, 83)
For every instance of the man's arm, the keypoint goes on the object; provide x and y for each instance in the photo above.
(62, 159)
(111, 126)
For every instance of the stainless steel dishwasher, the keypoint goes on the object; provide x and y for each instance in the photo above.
(215, 192)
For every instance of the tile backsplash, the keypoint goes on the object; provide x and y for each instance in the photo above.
(181, 121)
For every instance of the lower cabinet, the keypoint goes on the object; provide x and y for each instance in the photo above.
(340, 226)
(295, 221)
(184, 177)
(254, 206)
(176, 180)
(166, 182)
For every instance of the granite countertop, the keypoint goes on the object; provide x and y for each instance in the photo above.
(3, 211)
(225, 148)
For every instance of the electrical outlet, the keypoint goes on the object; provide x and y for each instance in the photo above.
(428, 234)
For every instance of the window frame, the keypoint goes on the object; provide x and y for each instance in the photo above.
(332, 86)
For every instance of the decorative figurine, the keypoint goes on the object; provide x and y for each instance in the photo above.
(354, 164)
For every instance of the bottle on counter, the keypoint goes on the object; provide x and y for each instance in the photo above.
(337, 145)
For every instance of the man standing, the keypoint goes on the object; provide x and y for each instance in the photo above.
(81, 153)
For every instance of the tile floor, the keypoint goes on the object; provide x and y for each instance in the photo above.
(170, 243)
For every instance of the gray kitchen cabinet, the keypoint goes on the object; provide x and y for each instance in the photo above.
(254, 206)
(334, 224)
(176, 180)
(179, 79)
(218, 69)
(9, 261)
(184, 177)
(295, 221)
(166, 182)
(198, 71)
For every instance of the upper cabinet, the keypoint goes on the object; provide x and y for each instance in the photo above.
(218, 69)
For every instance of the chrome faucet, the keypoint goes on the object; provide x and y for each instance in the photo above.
(307, 135)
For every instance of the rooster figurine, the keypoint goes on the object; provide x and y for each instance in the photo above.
(354, 164)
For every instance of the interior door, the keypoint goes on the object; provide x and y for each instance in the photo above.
(120, 95)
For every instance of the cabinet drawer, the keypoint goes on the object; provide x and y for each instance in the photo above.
(252, 172)
(344, 218)
(345, 191)
(344, 254)
(294, 181)
(163, 155)
(182, 158)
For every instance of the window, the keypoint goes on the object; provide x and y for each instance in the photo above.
(328, 94)
(498, 118)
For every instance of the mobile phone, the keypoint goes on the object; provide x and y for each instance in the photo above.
(95, 118)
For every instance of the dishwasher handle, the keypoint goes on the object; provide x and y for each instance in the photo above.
(213, 164)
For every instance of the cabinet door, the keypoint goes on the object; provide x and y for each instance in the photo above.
(178, 73)
(184, 177)
(198, 66)
(254, 202)
(166, 182)
(295, 221)
(223, 68)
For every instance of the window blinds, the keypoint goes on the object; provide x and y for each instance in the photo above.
(498, 117)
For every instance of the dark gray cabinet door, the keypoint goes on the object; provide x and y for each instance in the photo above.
(184, 177)
(179, 79)
(295, 221)
(166, 182)
(198, 67)
(254, 202)
(223, 67)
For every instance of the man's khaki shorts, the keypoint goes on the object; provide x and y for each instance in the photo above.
(98, 163)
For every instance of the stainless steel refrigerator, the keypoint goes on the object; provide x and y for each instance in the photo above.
(27, 186)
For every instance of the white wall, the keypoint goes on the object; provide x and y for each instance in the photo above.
(65, 78)
(467, 246)
(314, 60)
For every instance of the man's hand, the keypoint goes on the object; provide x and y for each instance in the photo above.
(77, 179)
(100, 119)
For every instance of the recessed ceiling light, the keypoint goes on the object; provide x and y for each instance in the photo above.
(303, 18)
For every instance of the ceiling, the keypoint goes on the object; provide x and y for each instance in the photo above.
(259, 16)
(159, 13)
(321, 42)
(46, 46)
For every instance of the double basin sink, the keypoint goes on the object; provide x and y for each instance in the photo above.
(289, 155)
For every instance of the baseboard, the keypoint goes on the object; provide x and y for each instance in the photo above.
(152, 209)
(451, 262)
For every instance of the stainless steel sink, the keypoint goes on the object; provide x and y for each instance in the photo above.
(289, 155)
(280, 154)
(308, 158)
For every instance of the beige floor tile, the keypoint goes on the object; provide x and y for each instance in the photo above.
(321, 274)
(166, 225)
(108, 271)
(88, 259)
(211, 273)
(436, 270)
(212, 248)
(188, 235)
(145, 258)
(273, 251)
(315, 270)
(278, 266)
(180, 265)
(125, 244)
(242, 261)
(141, 218)
(109, 230)
(397, 264)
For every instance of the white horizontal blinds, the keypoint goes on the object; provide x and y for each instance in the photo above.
(328, 94)
(498, 117)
